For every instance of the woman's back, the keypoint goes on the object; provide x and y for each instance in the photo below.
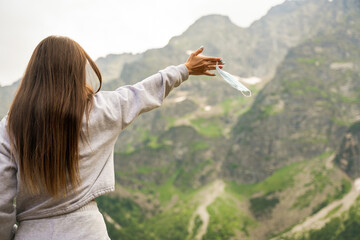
(111, 112)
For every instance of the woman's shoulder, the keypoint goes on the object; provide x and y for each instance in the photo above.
(104, 110)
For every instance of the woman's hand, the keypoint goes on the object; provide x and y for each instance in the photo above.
(200, 65)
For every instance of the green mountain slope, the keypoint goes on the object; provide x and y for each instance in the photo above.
(344, 226)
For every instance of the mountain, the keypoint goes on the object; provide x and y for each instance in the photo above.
(285, 26)
(276, 159)
(300, 116)
(305, 109)
(211, 164)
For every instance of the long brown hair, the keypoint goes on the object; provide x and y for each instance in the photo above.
(45, 118)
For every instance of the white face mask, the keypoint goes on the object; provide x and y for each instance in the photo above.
(230, 79)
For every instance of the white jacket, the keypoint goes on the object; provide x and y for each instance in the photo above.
(112, 111)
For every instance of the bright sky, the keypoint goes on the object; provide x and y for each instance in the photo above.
(106, 26)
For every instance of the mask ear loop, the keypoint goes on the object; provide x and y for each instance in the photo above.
(246, 95)
(232, 81)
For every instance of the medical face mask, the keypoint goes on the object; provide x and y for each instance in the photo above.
(232, 81)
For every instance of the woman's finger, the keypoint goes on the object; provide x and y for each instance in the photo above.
(213, 67)
(209, 74)
(214, 63)
(213, 59)
(197, 52)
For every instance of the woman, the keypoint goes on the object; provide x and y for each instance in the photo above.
(57, 141)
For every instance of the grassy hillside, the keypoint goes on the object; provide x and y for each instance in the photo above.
(343, 227)
(248, 211)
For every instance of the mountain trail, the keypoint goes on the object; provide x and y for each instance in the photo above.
(208, 196)
(112, 221)
(320, 219)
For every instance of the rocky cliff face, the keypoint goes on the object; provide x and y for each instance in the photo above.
(305, 109)
(348, 155)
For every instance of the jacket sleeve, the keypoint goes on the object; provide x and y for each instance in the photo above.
(124, 104)
(8, 185)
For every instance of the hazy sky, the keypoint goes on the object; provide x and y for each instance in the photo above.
(106, 26)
